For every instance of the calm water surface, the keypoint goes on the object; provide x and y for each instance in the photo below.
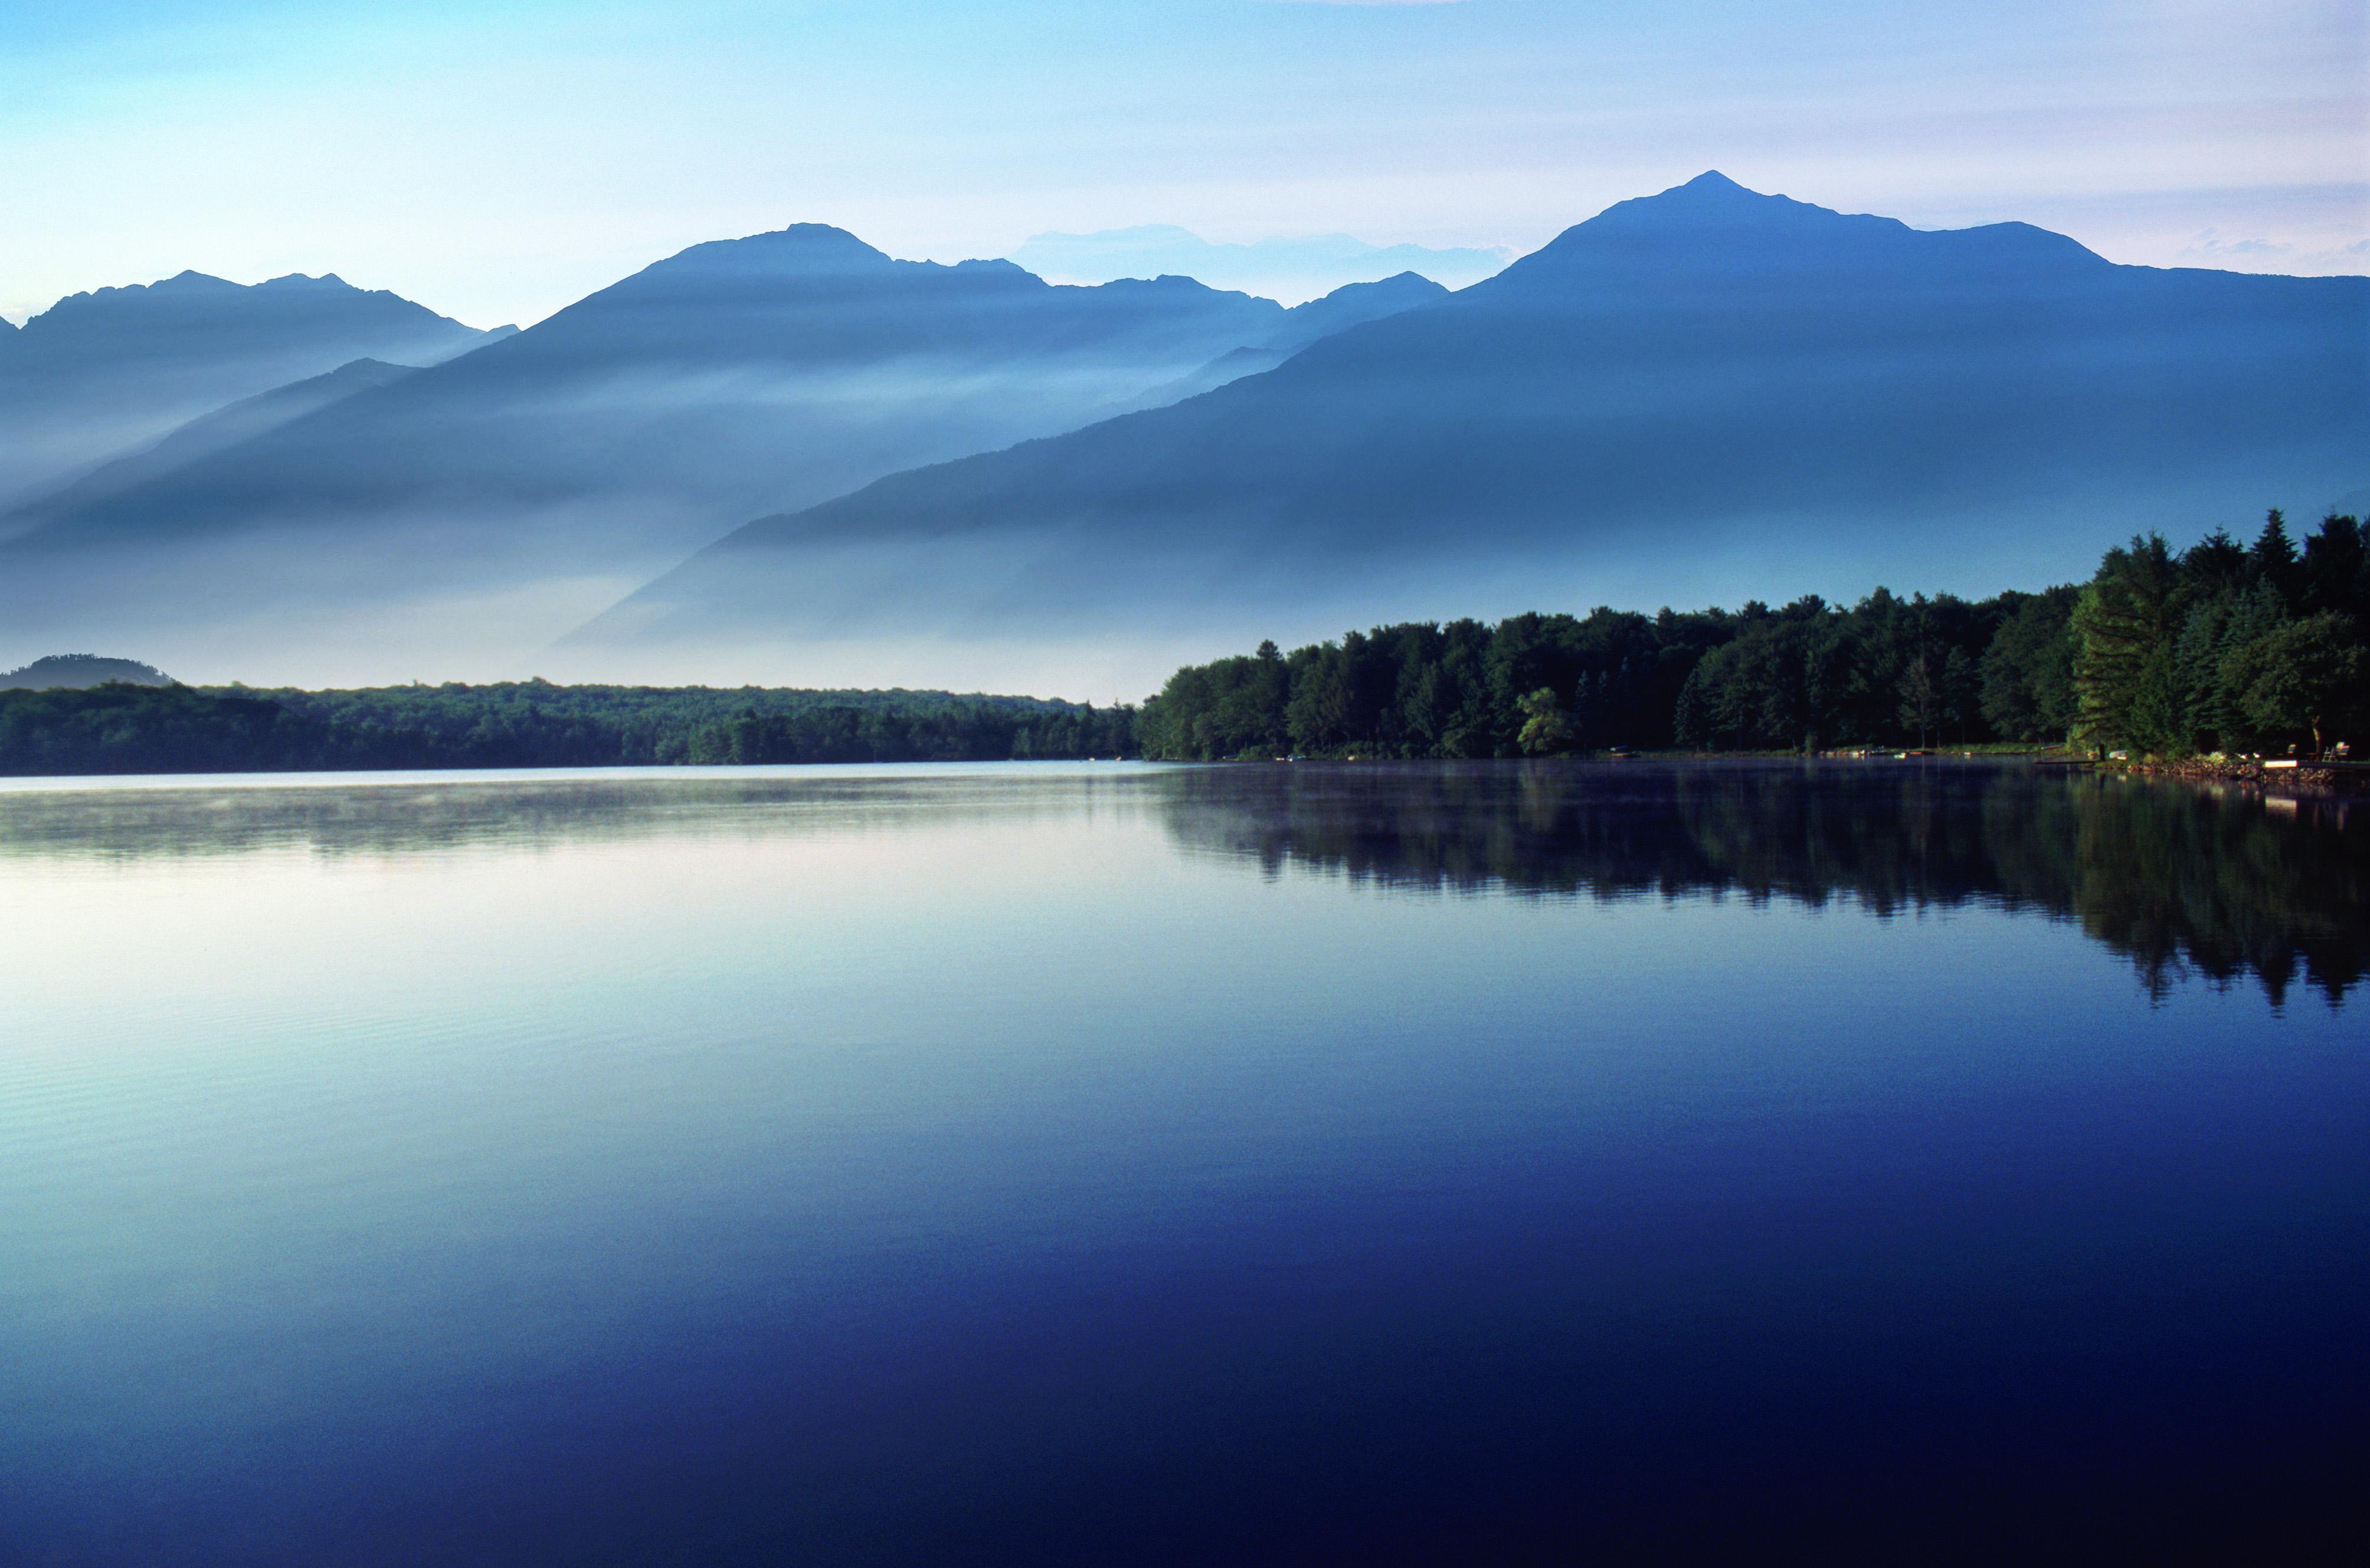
(1054, 1165)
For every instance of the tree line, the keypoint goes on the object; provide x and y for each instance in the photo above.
(2220, 646)
(130, 729)
(2225, 647)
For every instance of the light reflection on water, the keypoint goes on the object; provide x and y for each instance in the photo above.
(1080, 1164)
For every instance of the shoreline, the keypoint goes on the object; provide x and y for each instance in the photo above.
(2280, 775)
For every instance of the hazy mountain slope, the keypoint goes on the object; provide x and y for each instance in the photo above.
(100, 373)
(1352, 305)
(579, 457)
(205, 435)
(1698, 394)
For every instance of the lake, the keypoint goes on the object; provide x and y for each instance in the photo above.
(1118, 1164)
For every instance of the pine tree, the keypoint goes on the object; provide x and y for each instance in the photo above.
(2215, 562)
(2251, 616)
(2274, 558)
(2197, 655)
(2335, 568)
(2123, 620)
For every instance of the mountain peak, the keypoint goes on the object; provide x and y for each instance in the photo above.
(801, 250)
(1711, 195)
(188, 281)
(298, 281)
(1727, 235)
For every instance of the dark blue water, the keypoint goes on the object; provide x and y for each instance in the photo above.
(1199, 1165)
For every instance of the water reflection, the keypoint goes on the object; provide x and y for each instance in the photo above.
(2185, 882)
(1066, 1165)
(2188, 883)
(407, 814)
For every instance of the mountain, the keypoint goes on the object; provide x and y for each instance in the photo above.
(1285, 268)
(102, 373)
(79, 671)
(1352, 305)
(205, 435)
(1693, 396)
(536, 479)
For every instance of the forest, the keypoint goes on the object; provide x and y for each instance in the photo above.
(132, 729)
(2222, 647)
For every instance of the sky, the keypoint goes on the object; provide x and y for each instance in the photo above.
(495, 159)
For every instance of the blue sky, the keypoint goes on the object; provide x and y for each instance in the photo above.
(497, 160)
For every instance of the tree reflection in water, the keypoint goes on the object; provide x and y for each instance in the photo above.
(2211, 884)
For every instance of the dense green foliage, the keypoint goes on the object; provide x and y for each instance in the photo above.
(1887, 670)
(1454, 690)
(2221, 647)
(2027, 671)
(2225, 647)
(536, 724)
(124, 729)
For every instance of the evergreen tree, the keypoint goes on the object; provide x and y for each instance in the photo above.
(2274, 558)
(2215, 562)
(2207, 720)
(2122, 623)
(2248, 618)
(2335, 568)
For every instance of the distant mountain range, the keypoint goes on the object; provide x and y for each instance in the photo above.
(99, 375)
(1285, 268)
(567, 463)
(1693, 395)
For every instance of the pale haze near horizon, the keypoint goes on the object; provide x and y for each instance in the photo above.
(497, 162)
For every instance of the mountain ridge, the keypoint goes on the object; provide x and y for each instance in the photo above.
(104, 371)
(1287, 269)
(1844, 394)
(611, 439)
